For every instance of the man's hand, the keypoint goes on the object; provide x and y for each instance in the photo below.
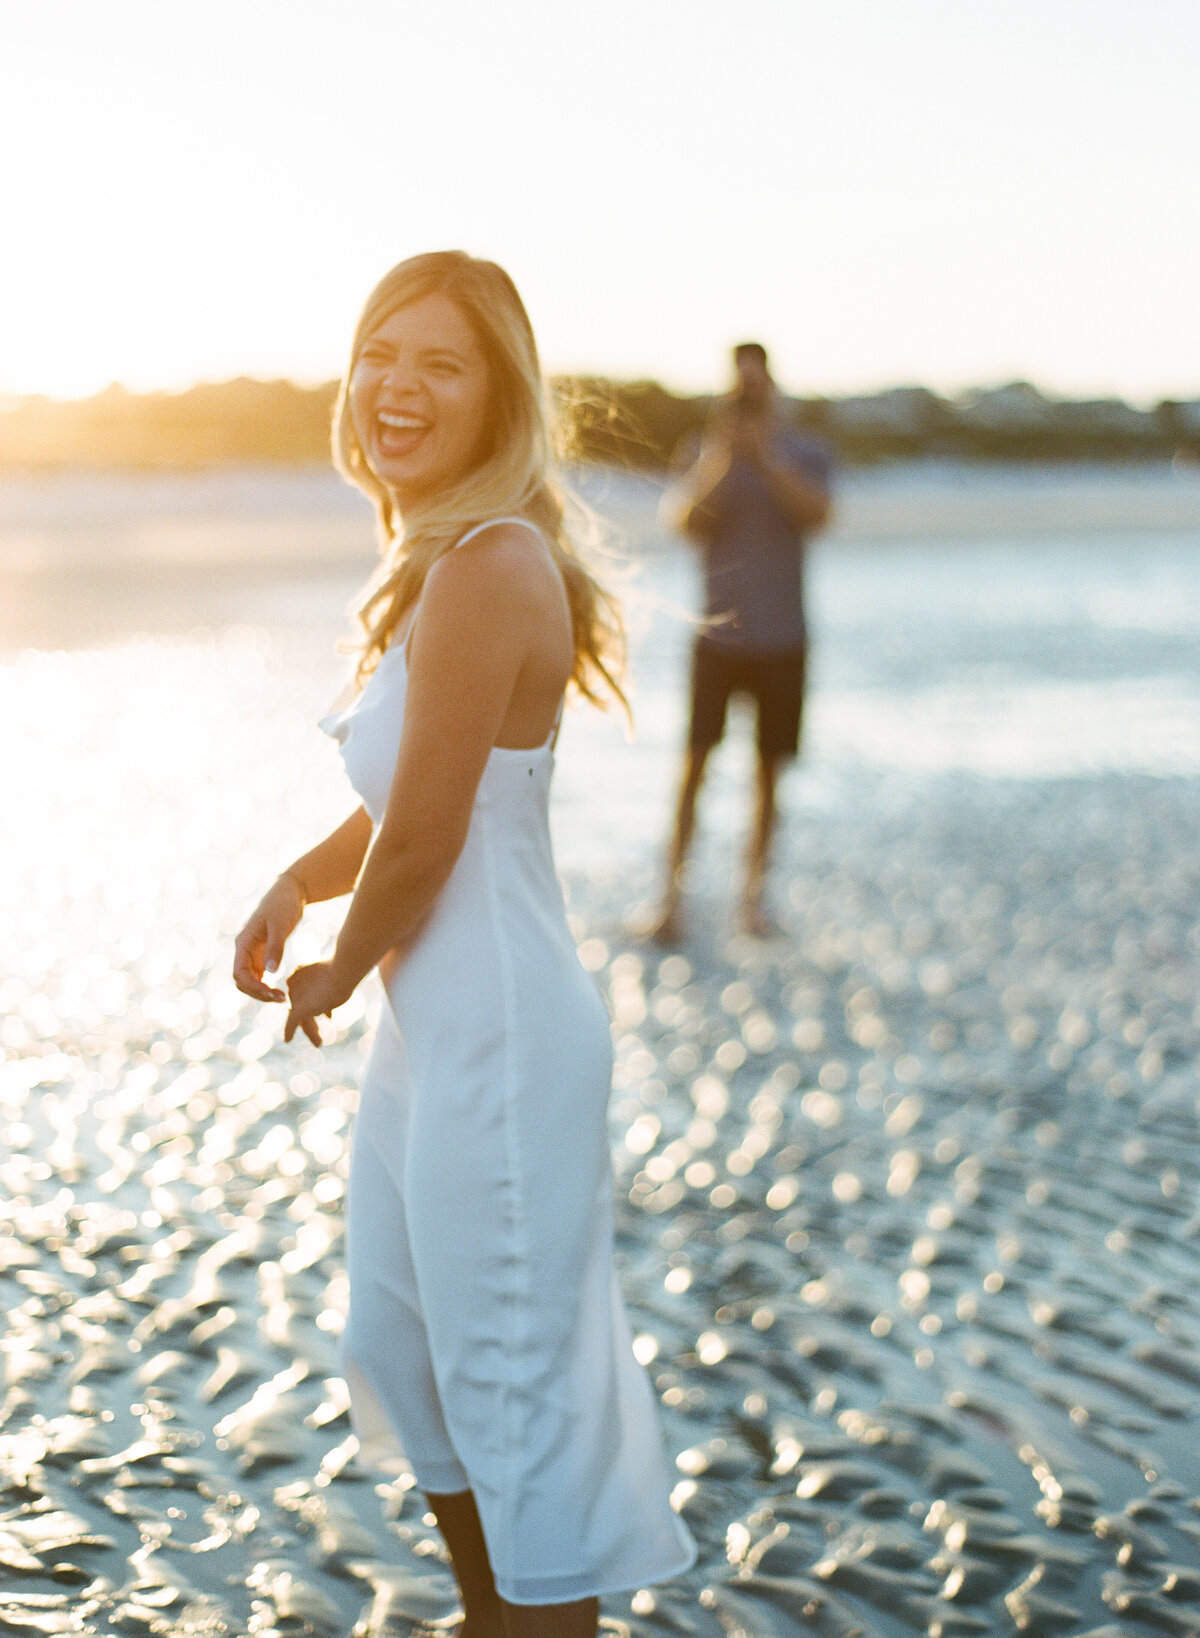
(751, 438)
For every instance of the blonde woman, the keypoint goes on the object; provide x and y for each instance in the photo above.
(486, 1341)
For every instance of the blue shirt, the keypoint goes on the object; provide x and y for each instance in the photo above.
(754, 559)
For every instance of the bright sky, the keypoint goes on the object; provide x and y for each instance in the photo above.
(948, 191)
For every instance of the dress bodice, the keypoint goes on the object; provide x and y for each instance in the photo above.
(368, 730)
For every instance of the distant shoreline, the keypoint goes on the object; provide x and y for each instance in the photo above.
(306, 519)
(636, 425)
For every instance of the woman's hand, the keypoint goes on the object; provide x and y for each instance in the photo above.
(313, 992)
(259, 947)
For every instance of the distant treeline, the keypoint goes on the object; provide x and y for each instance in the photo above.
(638, 424)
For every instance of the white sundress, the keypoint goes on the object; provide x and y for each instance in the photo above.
(487, 1343)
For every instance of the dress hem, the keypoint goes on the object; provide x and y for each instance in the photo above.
(380, 1446)
(581, 1586)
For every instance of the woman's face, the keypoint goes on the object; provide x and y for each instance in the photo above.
(419, 397)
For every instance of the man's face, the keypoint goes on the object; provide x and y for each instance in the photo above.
(753, 383)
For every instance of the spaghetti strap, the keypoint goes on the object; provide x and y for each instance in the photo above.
(461, 541)
(490, 523)
(551, 739)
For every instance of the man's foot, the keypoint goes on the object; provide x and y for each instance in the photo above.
(667, 927)
(755, 921)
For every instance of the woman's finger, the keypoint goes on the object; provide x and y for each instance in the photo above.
(258, 991)
(303, 1022)
(250, 983)
(247, 953)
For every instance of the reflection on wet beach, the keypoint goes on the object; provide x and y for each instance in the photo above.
(907, 1198)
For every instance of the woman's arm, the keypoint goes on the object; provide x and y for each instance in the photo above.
(325, 872)
(332, 867)
(467, 652)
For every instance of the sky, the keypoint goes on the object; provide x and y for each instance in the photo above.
(956, 192)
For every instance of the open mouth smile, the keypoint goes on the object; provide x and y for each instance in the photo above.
(397, 433)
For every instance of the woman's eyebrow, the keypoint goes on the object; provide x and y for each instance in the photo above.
(441, 352)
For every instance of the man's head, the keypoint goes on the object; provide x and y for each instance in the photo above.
(753, 385)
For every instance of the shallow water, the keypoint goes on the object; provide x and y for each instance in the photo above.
(908, 1197)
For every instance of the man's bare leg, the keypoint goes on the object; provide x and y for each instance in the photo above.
(669, 928)
(458, 1520)
(754, 917)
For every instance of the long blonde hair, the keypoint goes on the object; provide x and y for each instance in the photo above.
(517, 474)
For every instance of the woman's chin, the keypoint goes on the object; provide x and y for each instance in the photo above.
(408, 477)
(411, 488)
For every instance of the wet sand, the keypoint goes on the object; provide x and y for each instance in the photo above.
(908, 1214)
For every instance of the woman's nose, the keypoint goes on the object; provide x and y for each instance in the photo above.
(401, 379)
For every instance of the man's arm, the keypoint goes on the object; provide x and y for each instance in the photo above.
(805, 501)
(691, 505)
(803, 495)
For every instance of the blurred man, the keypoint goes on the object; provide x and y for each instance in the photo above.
(753, 495)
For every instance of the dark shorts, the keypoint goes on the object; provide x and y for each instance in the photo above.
(774, 681)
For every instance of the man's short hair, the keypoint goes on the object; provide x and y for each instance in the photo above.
(746, 350)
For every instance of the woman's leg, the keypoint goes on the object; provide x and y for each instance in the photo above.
(578, 1620)
(458, 1520)
(487, 1614)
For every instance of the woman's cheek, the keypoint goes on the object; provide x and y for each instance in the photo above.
(360, 409)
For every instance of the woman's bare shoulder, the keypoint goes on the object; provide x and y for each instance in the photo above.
(496, 572)
(506, 537)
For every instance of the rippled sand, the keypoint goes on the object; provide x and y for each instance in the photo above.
(908, 1197)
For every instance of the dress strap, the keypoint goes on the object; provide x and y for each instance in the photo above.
(480, 527)
(461, 541)
(551, 739)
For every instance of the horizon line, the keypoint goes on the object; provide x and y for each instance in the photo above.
(12, 400)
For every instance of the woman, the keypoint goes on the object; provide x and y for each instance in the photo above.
(486, 1341)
